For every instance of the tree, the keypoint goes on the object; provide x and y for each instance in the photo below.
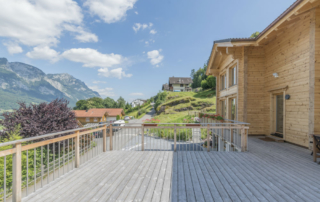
(81, 105)
(254, 35)
(37, 120)
(204, 84)
(118, 117)
(121, 103)
(109, 102)
(211, 82)
(95, 102)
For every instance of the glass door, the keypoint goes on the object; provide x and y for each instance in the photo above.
(279, 114)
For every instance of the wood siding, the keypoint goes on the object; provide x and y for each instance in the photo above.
(256, 92)
(317, 74)
(288, 55)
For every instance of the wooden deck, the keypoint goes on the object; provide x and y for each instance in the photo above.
(269, 171)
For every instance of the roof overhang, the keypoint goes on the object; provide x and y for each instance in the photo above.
(286, 19)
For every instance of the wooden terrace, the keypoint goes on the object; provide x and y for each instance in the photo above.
(268, 171)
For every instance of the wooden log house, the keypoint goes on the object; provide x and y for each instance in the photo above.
(273, 81)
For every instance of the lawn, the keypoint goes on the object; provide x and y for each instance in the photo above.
(177, 105)
(144, 109)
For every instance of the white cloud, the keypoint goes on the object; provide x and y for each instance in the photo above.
(117, 73)
(42, 22)
(137, 26)
(13, 48)
(104, 92)
(136, 94)
(81, 34)
(146, 42)
(153, 31)
(110, 11)
(97, 82)
(136, 12)
(155, 56)
(44, 53)
(92, 58)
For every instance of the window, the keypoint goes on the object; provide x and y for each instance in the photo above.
(87, 119)
(224, 109)
(95, 120)
(223, 81)
(181, 85)
(233, 76)
(233, 109)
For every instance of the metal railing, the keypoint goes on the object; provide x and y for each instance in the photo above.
(31, 163)
(28, 164)
(180, 137)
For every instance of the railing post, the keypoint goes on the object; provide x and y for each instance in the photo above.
(77, 150)
(175, 138)
(104, 138)
(16, 178)
(111, 133)
(243, 139)
(142, 138)
(208, 138)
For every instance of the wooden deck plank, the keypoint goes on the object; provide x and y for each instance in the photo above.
(160, 180)
(228, 186)
(200, 165)
(182, 193)
(148, 178)
(58, 186)
(165, 196)
(201, 178)
(187, 177)
(174, 185)
(134, 181)
(80, 186)
(198, 191)
(116, 177)
(222, 191)
(154, 180)
(231, 176)
(142, 178)
(269, 171)
(252, 184)
(118, 188)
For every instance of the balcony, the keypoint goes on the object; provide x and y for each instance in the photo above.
(168, 162)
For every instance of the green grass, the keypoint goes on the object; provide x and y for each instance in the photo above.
(1, 127)
(193, 101)
(135, 113)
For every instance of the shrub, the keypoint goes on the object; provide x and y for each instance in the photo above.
(36, 120)
(204, 84)
(118, 117)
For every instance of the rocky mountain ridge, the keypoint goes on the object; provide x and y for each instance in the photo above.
(20, 81)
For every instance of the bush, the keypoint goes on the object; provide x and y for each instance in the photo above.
(118, 117)
(36, 120)
(204, 84)
(211, 81)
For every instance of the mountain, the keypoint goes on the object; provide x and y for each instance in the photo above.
(23, 82)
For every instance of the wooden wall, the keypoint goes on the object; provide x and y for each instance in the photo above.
(288, 55)
(317, 74)
(256, 92)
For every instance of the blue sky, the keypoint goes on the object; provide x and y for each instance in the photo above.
(126, 48)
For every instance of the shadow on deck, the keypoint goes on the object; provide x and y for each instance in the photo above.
(269, 171)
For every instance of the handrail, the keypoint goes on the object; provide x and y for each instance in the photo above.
(48, 135)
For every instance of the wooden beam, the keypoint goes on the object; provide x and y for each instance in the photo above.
(77, 150)
(16, 172)
(282, 20)
(312, 41)
(245, 82)
(279, 88)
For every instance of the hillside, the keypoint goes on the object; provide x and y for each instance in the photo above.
(176, 106)
(23, 82)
